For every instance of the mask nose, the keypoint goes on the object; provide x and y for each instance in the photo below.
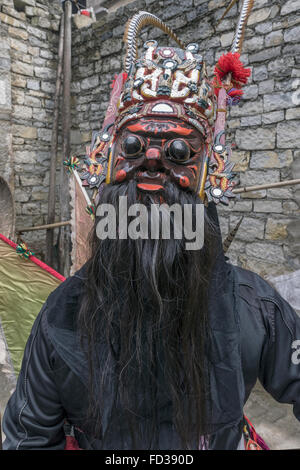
(153, 158)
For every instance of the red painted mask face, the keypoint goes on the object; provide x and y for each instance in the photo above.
(154, 152)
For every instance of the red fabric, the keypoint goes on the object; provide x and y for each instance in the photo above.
(71, 444)
(256, 440)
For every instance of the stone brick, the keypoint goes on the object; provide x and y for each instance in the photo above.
(213, 4)
(30, 180)
(241, 160)
(281, 67)
(247, 108)
(22, 195)
(18, 33)
(276, 101)
(257, 177)
(22, 112)
(33, 51)
(260, 73)
(40, 115)
(18, 45)
(226, 39)
(32, 101)
(18, 96)
(25, 156)
(242, 206)
(45, 53)
(290, 206)
(268, 206)
(292, 35)
(250, 92)
(48, 87)
(251, 121)
(257, 16)
(280, 193)
(39, 61)
(42, 22)
(290, 6)
(23, 69)
(265, 54)
(254, 139)
(29, 2)
(254, 44)
(254, 194)
(33, 84)
(274, 39)
(11, 21)
(271, 159)
(233, 123)
(26, 132)
(251, 229)
(44, 72)
(291, 49)
(110, 47)
(89, 82)
(17, 56)
(45, 134)
(263, 28)
(266, 86)
(288, 135)
(265, 251)
(274, 116)
(30, 209)
(12, 12)
(293, 113)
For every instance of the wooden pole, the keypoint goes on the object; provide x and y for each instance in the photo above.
(247, 189)
(65, 237)
(0, 433)
(44, 227)
(54, 143)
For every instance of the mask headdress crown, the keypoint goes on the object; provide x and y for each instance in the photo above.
(173, 82)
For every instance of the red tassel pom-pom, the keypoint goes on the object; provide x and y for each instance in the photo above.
(230, 63)
(235, 93)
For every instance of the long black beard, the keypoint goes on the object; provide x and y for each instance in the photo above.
(144, 323)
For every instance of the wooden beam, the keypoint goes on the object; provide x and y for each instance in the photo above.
(247, 189)
(64, 196)
(0, 433)
(54, 143)
(43, 227)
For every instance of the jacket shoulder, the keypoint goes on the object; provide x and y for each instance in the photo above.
(263, 300)
(63, 303)
(252, 287)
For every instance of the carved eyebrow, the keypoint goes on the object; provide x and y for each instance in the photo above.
(142, 127)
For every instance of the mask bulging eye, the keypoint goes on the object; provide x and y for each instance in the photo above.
(178, 150)
(132, 146)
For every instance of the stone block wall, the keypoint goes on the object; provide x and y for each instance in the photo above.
(263, 128)
(29, 43)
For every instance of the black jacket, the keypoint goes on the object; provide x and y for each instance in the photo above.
(254, 334)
